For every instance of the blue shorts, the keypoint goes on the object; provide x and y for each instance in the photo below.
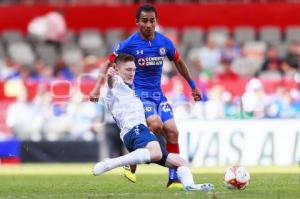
(139, 136)
(158, 107)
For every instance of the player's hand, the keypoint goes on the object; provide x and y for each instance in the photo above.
(94, 95)
(196, 94)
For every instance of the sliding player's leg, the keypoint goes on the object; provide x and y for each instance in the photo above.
(143, 148)
(155, 125)
(138, 156)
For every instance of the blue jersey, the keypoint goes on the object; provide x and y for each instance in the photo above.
(149, 59)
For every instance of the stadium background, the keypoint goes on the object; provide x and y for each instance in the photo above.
(250, 73)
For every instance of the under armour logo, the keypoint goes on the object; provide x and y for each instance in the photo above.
(139, 52)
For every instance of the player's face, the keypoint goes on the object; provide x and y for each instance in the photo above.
(127, 71)
(146, 24)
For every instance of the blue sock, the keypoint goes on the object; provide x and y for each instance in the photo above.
(173, 174)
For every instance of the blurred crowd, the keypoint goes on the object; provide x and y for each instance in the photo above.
(215, 55)
(44, 118)
(254, 103)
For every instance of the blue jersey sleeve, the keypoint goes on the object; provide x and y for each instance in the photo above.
(121, 48)
(172, 53)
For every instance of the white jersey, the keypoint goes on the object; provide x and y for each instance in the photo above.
(126, 108)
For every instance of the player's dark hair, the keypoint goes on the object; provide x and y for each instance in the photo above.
(122, 57)
(145, 8)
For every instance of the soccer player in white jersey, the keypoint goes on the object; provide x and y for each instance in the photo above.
(128, 111)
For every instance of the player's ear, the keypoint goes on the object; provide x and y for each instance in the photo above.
(137, 21)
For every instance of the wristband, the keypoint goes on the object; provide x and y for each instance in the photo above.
(192, 83)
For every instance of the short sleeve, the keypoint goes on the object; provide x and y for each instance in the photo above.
(120, 48)
(172, 53)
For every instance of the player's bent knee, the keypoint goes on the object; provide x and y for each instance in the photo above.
(156, 156)
(155, 125)
(155, 151)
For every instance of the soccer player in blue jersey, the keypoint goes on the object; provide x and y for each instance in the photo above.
(150, 49)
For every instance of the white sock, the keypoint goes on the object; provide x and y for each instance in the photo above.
(138, 156)
(185, 176)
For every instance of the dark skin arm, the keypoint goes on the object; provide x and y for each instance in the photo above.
(183, 70)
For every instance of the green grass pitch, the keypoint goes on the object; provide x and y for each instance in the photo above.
(75, 181)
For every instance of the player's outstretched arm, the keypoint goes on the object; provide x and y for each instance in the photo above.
(95, 93)
(111, 72)
(183, 70)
